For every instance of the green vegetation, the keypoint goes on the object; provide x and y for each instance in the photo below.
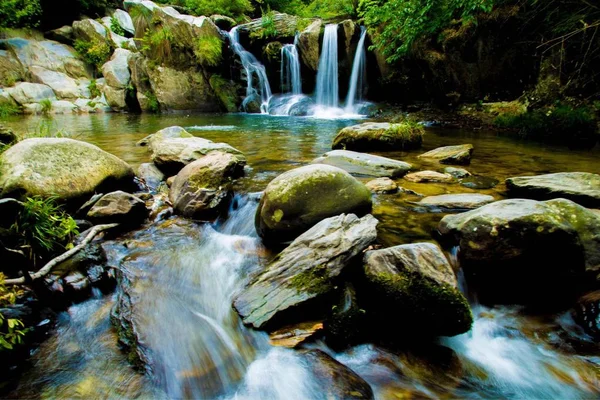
(408, 132)
(230, 8)
(93, 88)
(153, 104)
(115, 27)
(20, 13)
(11, 330)
(267, 26)
(95, 53)
(8, 109)
(46, 106)
(157, 44)
(208, 50)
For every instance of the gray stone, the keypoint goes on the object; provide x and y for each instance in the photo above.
(119, 207)
(456, 201)
(429, 176)
(26, 92)
(364, 164)
(382, 185)
(116, 71)
(458, 173)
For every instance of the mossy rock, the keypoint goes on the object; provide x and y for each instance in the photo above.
(416, 283)
(379, 136)
(456, 155)
(67, 169)
(227, 92)
(298, 199)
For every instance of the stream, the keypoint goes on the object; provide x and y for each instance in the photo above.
(184, 276)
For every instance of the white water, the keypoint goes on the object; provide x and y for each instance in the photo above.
(359, 75)
(327, 77)
(291, 79)
(255, 73)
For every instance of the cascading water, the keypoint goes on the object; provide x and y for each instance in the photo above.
(291, 80)
(254, 70)
(327, 77)
(359, 75)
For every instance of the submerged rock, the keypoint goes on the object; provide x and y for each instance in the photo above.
(429, 176)
(460, 154)
(345, 325)
(416, 284)
(580, 187)
(335, 379)
(364, 164)
(382, 185)
(479, 182)
(307, 270)
(298, 199)
(526, 251)
(458, 173)
(458, 201)
(377, 136)
(70, 170)
(119, 207)
(201, 189)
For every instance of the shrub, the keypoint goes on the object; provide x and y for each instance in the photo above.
(208, 51)
(157, 44)
(93, 88)
(153, 105)
(8, 109)
(267, 26)
(20, 13)
(95, 53)
(115, 27)
(11, 329)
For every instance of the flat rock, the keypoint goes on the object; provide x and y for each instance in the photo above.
(293, 335)
(375, 136)
(382, 185)
(364, 164)
(64, 86)
(460, 154)
(458, 173)
(580, 187)
(458, 201)
(118, 207)
(308, 269)
(429, 176)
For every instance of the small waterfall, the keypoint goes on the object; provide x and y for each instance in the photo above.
(254, 70)
(359, 74)
(327, 77)
(291, 80)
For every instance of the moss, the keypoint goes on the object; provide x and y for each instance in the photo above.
(401, 136)
(303, 23)
(208, 51)
(226, 91)
(315, 280)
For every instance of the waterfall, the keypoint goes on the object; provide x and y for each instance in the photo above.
(291, 80)
(254, 69)
(327, 77)
(359, 74)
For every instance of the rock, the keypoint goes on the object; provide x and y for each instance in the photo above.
(172, 132)
(308, 269)
(587, 313)
(336, 380)
(429, 176)
(11, 70)
(116, 71)
(309, 45)
(227, 92)
(68, 169)
(90, 31)
(151, 175)
(64, 86)
(285, 25)
(460, 155)
(62, 35)
(9, 210)
(293, 335)
(118, 207)
(458, 173)
(415, 283)
(223, 22)
(382, 185)
(479, 182)
(457, 201)
(201, 189)
(77, 286)
(344, 327)
(580, 187)
(364, 164)
(298, 199)
(124, 21)
(63, 107)
(377, 136)
(350, 29)
(525, 251)
(25, 93)
(7, 136)
(182, 90)
(115, 98)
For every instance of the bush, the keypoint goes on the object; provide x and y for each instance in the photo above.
(153, 105)
(230, 8)
(95, 53)
(208, 51)
(94, 90)
(115, 27)
(11, 329)
(20, 13)
(7, 109)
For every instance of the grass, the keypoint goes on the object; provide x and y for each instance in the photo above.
(153, 105)
(409, 132)
(7, 110)
(267, 26)
(94, 90)
(115, 27)
(46, 106)
(208, 50)
(157, 44)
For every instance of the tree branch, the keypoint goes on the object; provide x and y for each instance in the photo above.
(45, 270)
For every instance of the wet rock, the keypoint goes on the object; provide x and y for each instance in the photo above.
(580, 187)
(364, 164)
(26, 92)
(298, 199)
(382, 185)
(458, 173)
(376, 136)
(77, 287)
(587, 313)
(458, 201)
(479, 182)
(309, 45)
(526, 251)
(9, 211)
(459, 155)
(172, 132)
(201, 189)
(119, 207)
(151, 175)
(67, 169)
(124, 20)
(223, 22)
(429, 176)
(293, 335)
(344, 326)
(415, 283)
(116, 70)
(307, 270)
(62, 35)
(335, 379)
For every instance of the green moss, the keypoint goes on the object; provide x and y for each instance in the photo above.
(226, 91)
(315, 280)
(409, 133)
(303, 23)
(208, 50)
(267, 27)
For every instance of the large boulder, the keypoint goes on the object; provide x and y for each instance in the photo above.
(91, 31)
(285, 25)
(364, 164)
(309, 45)
(124, 21)
(526, 251)
(67, 169)
(298, 199)
(309, 269)
(201, 189)
(64, 86)
(378, 136)
(459, 155)
(26, 93)
(416, 284)
(11, 70)
(116, 70)
(183, 89)
(456, 201)
(581, 187)
(119, 207)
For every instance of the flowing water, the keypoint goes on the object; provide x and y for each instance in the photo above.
(291, 80)
(358, 77)
(182, 277)
(328, 92)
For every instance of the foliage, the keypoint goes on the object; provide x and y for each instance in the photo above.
(326, 9)
(95, 53)
(20, 13)
(46, 106)
(153, 105)
(11, 329)
(8, 109)
(267, 26)
(94, 90)
(397, 24)
(230, 8)
(115, 27)
(44, 228)
(157, 44)
(408, 130)
(208, 50)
